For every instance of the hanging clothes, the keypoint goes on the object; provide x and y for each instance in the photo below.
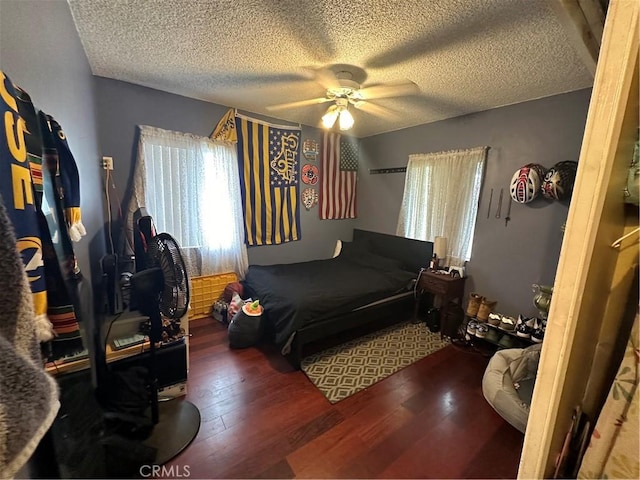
(69, 181)
(59, 258)
(28, 396)
(17, 169)
(34, 187)
(613, 449)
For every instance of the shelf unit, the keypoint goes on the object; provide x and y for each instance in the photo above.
(489, 345)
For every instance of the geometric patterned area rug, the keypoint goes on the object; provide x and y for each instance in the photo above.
(341, 371)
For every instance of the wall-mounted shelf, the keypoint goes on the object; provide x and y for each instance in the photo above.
(376, 171)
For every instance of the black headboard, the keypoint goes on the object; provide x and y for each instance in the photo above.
(414, 254)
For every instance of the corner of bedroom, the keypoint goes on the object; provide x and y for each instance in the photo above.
(256, 246)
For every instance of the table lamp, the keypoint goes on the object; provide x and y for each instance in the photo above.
(440, 251)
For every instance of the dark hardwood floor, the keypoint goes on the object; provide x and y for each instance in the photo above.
(263, 419)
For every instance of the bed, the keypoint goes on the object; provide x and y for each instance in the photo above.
(370, 279)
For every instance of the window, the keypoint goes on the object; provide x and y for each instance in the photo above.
(190, 187)
(441, 199)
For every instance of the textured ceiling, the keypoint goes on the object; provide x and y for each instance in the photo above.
(464, 55)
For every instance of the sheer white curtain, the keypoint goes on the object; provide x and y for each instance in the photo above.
(441, 199)
(190, 187)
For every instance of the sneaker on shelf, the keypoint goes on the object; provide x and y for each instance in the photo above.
(507, 341)
(493, 335)
(472, 327)
(494, 319)
(507, 323)
(524, 326)
(481, 330)
(538, 330)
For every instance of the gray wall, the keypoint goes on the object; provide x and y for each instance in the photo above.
(122, 106)
(505, 261)
(41, 52)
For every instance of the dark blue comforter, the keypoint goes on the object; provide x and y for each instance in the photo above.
(295, 295)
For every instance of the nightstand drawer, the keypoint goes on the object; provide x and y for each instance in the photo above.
(433, 285)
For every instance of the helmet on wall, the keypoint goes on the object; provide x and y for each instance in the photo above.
(558, 182)
(540, 170)
(525, 184)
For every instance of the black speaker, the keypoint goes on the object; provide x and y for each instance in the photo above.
(111, 278)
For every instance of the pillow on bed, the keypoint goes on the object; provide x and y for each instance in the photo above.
(338, 249)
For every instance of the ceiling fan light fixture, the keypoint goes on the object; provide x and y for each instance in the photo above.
(346, 119)
(329, 118)
(339, 112)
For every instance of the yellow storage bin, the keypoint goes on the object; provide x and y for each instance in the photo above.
(206, 290)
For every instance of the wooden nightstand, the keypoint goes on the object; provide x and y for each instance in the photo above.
(448, 287)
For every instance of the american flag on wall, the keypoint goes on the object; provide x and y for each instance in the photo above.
(339, 162)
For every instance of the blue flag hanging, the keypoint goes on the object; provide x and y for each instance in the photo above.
(268, 157)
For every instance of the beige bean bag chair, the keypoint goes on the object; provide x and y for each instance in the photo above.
(508, 383)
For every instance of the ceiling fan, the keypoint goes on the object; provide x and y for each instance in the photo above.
(343, 90)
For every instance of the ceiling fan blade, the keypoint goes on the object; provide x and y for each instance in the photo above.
(377, 110)
(389, 90)
(323, 76)
(300, 103)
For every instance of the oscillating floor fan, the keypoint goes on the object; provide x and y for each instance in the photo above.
(163, 291)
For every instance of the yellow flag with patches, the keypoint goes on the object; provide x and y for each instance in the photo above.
(226, 128)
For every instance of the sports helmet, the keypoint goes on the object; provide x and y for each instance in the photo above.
(540, 170)
(558, 182)
(525, 184)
